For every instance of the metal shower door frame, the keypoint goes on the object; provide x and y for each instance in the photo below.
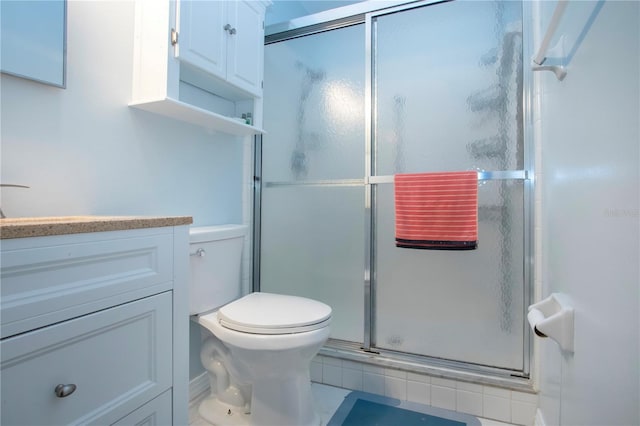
(335, 21)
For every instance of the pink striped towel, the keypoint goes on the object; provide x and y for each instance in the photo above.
(437, 210)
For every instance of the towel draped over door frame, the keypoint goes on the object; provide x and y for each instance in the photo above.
(437, 210)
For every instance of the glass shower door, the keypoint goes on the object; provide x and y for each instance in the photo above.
(312, 172)
(443, 88)
(448, 85)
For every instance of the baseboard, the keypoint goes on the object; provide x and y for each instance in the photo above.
(539, 421)
(198, 385)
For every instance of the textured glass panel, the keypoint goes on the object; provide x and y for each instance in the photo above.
(459, 305)
(447, 96)
(312, 246)
(448, 82)
(314, 107)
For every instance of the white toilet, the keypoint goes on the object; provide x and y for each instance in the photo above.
(262, 345)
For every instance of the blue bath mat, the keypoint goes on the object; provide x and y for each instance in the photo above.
(366, 409)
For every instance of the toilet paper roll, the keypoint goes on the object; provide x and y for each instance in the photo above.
(535, 317)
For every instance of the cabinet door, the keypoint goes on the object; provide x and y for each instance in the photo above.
(246, 46)
(203, 39)
(118, 359)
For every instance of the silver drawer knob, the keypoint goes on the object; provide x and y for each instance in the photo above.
(64, 390)
(200, 253)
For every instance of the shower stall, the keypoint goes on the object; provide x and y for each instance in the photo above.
(348, 103)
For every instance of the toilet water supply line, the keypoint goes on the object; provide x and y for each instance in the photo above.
(214, 358)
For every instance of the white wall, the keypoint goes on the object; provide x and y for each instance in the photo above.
(84, 151)
(589, 138)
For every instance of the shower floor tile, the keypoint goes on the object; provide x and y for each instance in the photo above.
(328, 399)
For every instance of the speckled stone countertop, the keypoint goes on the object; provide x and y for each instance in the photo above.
(44, 226)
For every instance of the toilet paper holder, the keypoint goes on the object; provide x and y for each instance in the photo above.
(553, 317)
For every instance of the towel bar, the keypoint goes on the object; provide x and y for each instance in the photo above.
(483, 175)
(553, 26)
(541, 56)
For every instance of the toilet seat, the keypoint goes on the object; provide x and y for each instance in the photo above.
(266, 313)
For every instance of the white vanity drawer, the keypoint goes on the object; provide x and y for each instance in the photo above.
(52, 279)
(118, 358)
(156, 412)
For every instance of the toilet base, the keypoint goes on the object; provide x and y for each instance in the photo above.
(284, 402)
(218, 413)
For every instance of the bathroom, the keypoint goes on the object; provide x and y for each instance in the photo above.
(83, 151)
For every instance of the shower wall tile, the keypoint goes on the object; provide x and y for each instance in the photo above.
(368, 368)
(469, 387)
(524, 397)
(352, 365)
(437, 381)
(392, 372)
(469, 402)
(423, 378)
(502, 393)
(489, 402)
(523, 413)
(419, 392)
(395, 387)
(443, 397)
(497, 408)
(352, 378)
(373, 383)
(332, 361)
(332, 375)
(523, 407)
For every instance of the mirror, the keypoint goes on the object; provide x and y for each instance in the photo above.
(33, 35)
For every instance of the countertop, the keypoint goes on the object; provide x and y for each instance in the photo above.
(45, 226)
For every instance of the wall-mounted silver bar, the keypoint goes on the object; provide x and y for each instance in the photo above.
(491, 175)
(553, 26)
(538, 60)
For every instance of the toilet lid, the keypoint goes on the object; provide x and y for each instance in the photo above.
(266, 313)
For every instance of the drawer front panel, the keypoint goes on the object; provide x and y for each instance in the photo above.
(118, 359)
(154, 413)
(63, 278)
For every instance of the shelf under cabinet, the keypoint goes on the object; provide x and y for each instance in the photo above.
(201, 117)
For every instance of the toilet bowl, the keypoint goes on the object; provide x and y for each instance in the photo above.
(272, 340)
(261, 344)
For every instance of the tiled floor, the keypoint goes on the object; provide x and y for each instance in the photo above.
(327, 398)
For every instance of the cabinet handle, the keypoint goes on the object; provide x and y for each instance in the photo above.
(65, 390)
(200, 253)
(228, 28)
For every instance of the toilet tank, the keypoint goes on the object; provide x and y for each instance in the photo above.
(215, 254)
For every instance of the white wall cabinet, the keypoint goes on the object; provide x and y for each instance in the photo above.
(104, 314)
(205, 67)
(224, 39)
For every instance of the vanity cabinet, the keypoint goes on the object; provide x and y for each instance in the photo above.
(205, 67)
(94, 328)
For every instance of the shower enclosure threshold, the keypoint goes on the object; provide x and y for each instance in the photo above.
(432, 367)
